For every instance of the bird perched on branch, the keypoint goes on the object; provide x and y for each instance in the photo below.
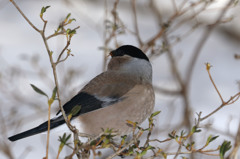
(123, 92)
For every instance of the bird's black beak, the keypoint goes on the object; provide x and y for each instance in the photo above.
(111, 54)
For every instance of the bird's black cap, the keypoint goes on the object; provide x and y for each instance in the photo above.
(129, 50)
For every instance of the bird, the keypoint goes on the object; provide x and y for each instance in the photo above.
(123, 92)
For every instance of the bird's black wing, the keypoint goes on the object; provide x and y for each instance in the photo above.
(87, 103)
(55, 122)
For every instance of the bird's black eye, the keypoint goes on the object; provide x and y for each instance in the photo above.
(129, 50)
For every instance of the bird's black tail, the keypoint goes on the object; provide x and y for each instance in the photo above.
(39, 129)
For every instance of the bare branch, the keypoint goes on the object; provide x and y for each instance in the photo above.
(135, 23)
(29, 22)
(64, 49)
(210, 76)
(178, 151)
(236, 96)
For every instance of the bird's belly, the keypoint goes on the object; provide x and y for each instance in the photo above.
(136, 107)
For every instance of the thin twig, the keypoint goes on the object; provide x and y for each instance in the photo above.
(49, 106)
(210, 76)
(135, 23)
(151, 42)
(48, 130)
(55, 77)
(203, 8)
(222, 105)
(156, 140)
(60, 33)
(178, 151)
(55, 34)
(64, 49)
(20, 11)
(64, 59)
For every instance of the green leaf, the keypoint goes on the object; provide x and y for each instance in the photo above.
(189, 146)
(211, 138)
(71, 20)
(36, 89)
(60, 27)
(51, 100)
(43, 10)
(195, 129)
(183, 133)
(68, 30)
(64, 138)
(123, 139)
(151, 147)
(68, 137)
(226, 145)
(164, 155)
(94, 142)
(171, 136)
(54, 93)
(108, 131)
(143, 153)
(75, 109)
(69, 14)
(155, 113)
(106, 141)
(131, 150)
(71, 32)
(63, 141)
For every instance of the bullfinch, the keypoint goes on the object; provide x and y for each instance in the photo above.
(123, 92)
